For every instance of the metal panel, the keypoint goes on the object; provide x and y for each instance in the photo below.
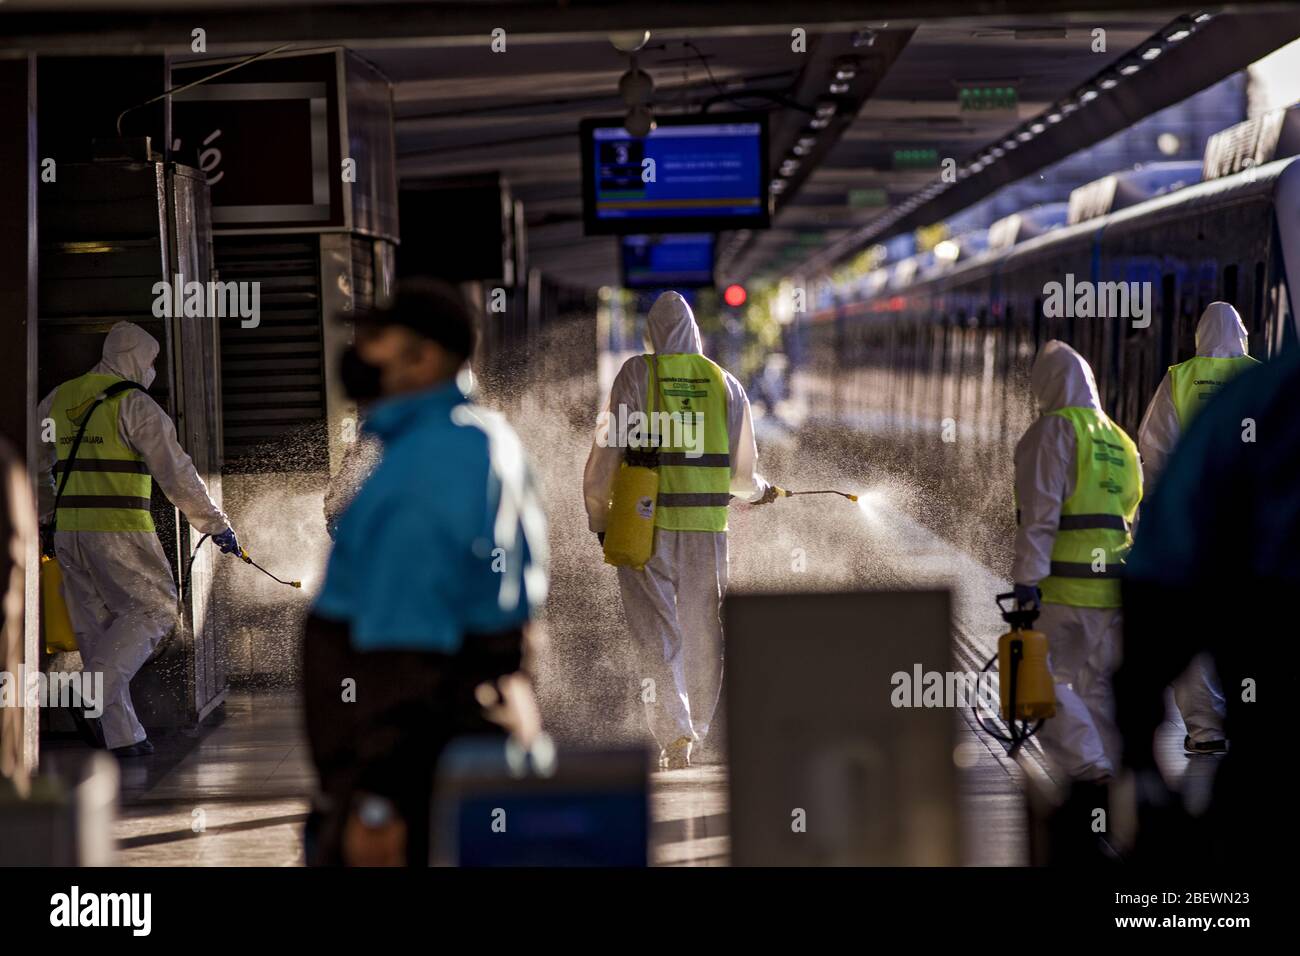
(273, 386)
(812, 681)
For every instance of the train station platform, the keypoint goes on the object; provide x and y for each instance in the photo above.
(236, 792)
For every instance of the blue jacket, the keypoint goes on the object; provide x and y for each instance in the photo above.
(446, 536)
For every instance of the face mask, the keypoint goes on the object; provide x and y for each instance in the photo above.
(149, 374)
(360, 379)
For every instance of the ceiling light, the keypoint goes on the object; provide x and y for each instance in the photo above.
(789, 167)
(1068, 108)
(1024, 136)
(1053, 117)
(1128, 69)
(1088, 95)
(819, 123)
(808, 141)
(1202, 17)
(777, 185)
(1182, 33)
(825, 109)
(998, 152)
(947, 251)
(1108, 83)
(839, 89)
(1038, 128)
(1151, 53)
(801, 150)
(846, 68)
(629, 41)
(1009, 144)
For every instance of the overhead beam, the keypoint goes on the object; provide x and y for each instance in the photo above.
(68, 28)
(1231, 42)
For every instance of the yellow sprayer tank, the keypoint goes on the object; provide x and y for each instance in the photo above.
(630, 530)
(55, 622)
(1035, 693)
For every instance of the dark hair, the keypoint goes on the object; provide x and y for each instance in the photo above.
(431, 308)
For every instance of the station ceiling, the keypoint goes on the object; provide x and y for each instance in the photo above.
(462, 109)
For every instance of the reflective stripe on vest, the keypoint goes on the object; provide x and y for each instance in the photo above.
(1094, 533)
(109, 486)
(695, 450)
(1195, 382)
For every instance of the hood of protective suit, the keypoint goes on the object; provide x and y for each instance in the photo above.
(1220, 333)
(129, 351)
(672, 326)
(1062, 378)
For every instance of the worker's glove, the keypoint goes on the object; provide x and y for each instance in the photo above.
(769, 496)
(600, 536)
(227, 542)
(1027, 596)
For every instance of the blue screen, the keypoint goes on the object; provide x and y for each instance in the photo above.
(555, 829)
(704, 170)
(652, 262)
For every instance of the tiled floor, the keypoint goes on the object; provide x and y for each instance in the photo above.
(235, 794)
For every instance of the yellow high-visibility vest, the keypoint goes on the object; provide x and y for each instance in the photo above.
(1095, 531)
(1195, 382)
(694, 446)
(109, 487)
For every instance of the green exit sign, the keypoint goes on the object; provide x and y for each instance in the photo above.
(916, 158)
(867, 198)
(980, 99)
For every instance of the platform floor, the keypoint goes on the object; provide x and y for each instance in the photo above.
(236, 793)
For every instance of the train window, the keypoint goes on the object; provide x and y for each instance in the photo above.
(1169, 316)
(1257, 304)
(1228, 288)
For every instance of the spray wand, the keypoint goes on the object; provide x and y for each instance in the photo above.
(790, 494)
(243, 556)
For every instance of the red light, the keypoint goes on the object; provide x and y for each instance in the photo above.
(734, 296)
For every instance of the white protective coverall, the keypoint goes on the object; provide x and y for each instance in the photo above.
(1083, 642)
(1219, 334)
(673, 607)
(118, 585)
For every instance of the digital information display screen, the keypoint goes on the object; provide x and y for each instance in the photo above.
(672, 261)
(707, 173)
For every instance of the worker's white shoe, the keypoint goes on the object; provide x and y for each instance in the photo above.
(677, 755)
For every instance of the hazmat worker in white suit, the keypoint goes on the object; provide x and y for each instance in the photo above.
(1078, 483)
(1221, 355)
(673, 606)
(116, 580)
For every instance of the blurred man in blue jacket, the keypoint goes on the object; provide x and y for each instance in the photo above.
(418, 634)
(1216, 568)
